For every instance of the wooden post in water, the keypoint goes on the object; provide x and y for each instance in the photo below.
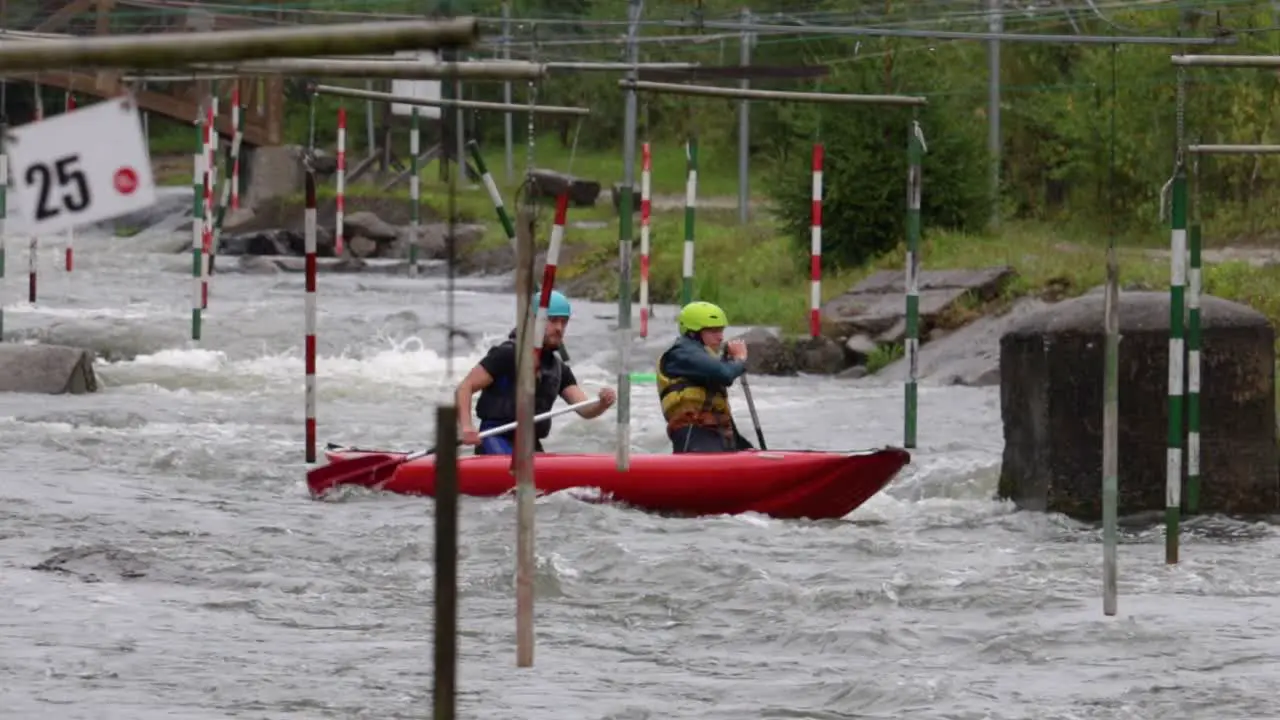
(526, 359)
(1111, 386)
(446, 622)
(1110, 430)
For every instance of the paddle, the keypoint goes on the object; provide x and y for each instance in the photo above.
(751, 405)
(375, 469)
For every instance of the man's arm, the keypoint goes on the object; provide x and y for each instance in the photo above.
(575, 394)
(571, 393)
(494, 363)
(475, 381)
(694, 363)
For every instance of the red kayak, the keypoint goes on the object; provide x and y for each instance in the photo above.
(785, 484)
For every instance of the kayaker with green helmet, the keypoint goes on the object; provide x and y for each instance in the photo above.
(693, 383)
(494, 377)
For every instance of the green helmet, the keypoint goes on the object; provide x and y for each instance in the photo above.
(701, 315)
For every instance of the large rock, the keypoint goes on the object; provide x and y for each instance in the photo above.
(369, 225)
(876, 307)
(968, 356)
(46, 369)
(769, 354)
(1051, 401)
(268, 265)
(276, 241)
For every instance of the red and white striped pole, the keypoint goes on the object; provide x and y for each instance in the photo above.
(309, 246)
(645, 168)
(339, 203)
(549, 273)
(33, 245)
(815, 251)
(71, 233)
(235, 156)
(206, 230)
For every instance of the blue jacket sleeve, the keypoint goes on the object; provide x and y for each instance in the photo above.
(690, 360)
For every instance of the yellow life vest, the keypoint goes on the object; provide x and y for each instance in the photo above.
(685, 403)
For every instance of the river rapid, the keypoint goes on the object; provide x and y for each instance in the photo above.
(187, 574)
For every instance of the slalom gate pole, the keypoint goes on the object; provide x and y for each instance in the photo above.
(235, 154)
(69, 259)
(491, 187)
(690, 208)
(211, 180)
(4, 211)
(309, 350)
(1177, 347)
(414, 188)
(224, 198)
(815, 242)
(340, 194)
(1193, 371)
(33, 264)
(206, 208)
(915, 151)
(549, 271)
(33, 243)
(197, 229)
(646, 170)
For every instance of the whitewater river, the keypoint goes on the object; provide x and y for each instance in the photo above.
(203, 582)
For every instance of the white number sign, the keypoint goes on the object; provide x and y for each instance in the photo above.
(79, 167)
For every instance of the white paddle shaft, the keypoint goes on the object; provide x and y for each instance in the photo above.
(512, 425)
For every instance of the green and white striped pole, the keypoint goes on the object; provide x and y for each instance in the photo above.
(1193, 339)
(4, 211)
(915, 154)
(414, 182)
(1193, 373)
(491, 187)
(1177, 290)
(197, 228)
(690, 209)
(1177, 347)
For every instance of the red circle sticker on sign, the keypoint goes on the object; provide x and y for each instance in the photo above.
(126, 180)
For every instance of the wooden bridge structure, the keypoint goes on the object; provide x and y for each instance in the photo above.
(261, 98)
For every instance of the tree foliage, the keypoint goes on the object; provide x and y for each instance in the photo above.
(1087, 131)
(865, 167)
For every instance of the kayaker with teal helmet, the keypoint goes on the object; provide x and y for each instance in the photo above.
(693, 383)
(494, 377)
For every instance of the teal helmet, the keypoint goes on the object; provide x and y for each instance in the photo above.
(557, 305)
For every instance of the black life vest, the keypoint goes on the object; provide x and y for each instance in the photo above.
(497, 402)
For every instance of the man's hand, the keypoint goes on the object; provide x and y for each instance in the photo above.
(738, 349)
(607, 397)
(469, 436)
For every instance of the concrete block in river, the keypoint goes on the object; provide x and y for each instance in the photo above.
(1051, 402)
(46, 369)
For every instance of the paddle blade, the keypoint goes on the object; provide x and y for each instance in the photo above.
(365, 471)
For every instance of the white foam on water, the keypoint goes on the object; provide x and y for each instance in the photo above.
(134, 311)
(401, 364)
